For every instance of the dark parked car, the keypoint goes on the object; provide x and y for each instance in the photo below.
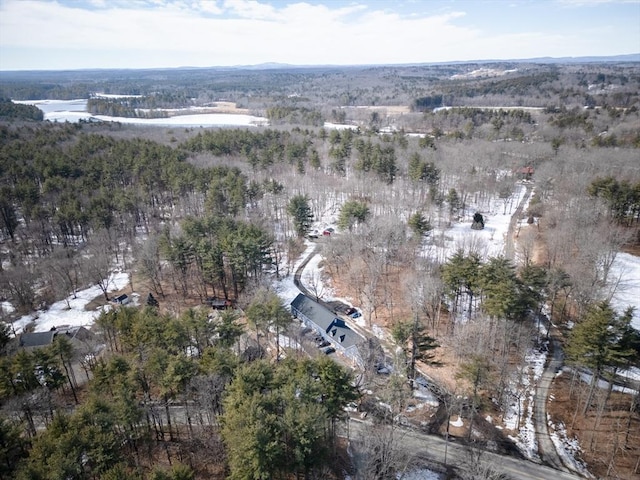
(328, 350)
(324, 343)
(350, 311)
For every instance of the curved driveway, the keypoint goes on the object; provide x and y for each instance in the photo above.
(433, 447)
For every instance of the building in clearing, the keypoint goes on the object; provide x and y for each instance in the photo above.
(329, 326)
(79, 336)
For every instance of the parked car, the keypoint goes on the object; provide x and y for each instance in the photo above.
(323, 344)
(328, 350)
(355, 314)
(350, 311)
(326, 233)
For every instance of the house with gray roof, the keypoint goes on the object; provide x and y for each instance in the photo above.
(33, 340)
(327, 324)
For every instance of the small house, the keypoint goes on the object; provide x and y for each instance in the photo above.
(525, 173)
(122, 299)
(219, 303)
(35, 340)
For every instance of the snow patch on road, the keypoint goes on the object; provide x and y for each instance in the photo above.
(568, 449)
(519, 414)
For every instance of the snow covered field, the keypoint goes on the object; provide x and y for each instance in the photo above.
(626, 267)
(489, 242)
(59, 314)
(76, 110)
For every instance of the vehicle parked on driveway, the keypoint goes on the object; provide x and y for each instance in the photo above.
(323, 344)
(355, 314)
(350, 311)
(328, 350)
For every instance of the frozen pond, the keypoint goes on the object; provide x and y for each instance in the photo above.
(57, 106)
(76, 110)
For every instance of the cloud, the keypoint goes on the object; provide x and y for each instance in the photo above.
(152, 33)
(586, 3)
(251, 9)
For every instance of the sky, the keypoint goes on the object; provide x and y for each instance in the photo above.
(79, 34)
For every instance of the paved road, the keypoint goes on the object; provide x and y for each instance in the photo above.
(432, 449)
(546, 447)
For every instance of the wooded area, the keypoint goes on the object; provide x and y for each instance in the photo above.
(183, 392)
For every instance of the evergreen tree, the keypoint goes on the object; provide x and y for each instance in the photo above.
(502, 291)
(300, 210)
(275, 418)
(352, 213)
(598, 342)
(461, 276)
(419, 224)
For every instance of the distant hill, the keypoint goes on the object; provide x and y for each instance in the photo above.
(632, 57)
(628, 58)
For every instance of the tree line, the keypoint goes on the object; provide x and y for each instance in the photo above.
(183, 387)
(16, 111)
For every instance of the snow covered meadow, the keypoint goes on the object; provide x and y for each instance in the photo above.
(626, 274)
(75, 110)
(71, 311)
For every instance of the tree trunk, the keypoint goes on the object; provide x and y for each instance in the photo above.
(592, 388)
(168, 413)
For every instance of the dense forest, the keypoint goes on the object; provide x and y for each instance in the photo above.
(10, 110)
(180, 391)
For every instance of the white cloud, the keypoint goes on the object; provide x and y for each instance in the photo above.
(208, 6)
(585, 3)
(252, 9)
(127, 33)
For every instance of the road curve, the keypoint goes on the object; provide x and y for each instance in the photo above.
(546, 447)
(435, 449)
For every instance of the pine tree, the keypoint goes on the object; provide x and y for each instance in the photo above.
(416, 345)
(300, 210)
(596, 342)
(419, 224)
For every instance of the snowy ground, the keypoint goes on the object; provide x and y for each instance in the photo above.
(421, 474)
(626, 268)
(197, 120)
(519, 414)
(568, 449)
(75, 110)
(58, 314)
(587, 378)
(490, 242)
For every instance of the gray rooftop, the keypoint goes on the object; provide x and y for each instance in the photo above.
(36, 339)
(333, 326)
